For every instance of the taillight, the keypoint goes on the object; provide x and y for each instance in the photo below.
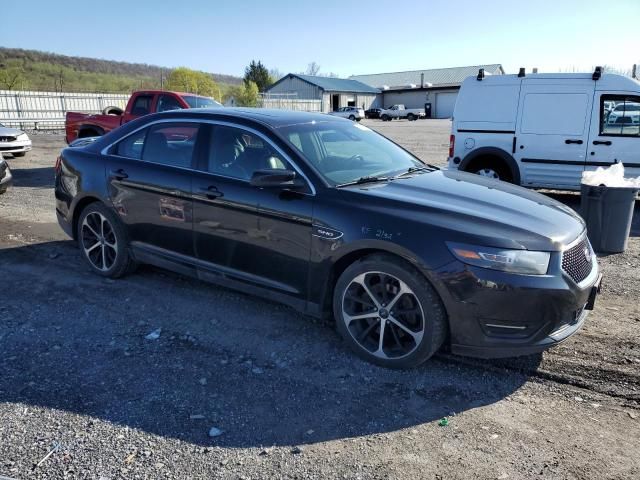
(452, 145)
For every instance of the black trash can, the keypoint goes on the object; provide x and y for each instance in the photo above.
(608, 212)
(427, 110)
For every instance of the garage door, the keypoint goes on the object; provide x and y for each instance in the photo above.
(445, 102)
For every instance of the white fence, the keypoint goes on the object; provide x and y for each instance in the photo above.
(288, 101)
(46, 110)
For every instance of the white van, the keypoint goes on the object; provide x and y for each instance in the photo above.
(544, 130)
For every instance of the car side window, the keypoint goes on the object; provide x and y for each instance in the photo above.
(167, 102)
(131, 146)
(141, 105)
(620, 115)
(171, 144)
(238, 153)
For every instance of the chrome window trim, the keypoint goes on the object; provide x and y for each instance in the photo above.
(264, 138)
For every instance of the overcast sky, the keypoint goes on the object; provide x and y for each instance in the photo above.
(343, 36)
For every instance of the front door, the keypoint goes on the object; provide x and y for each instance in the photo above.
(615, 133)
(259, 236)
(149, 174)
(552, 131)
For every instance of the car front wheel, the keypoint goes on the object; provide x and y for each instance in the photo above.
(388, 312)
(103, 241)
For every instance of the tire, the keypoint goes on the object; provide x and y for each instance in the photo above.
(89, 132)
(409, 338)
(491, 167)
(108, 258)
(112, 111)
(19, 154)
(411, 117)
(385, 118)
(352, 117)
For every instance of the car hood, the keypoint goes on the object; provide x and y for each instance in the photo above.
(10, 132)
(478, 209)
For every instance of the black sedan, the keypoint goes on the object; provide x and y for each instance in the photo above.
(327, 216)
(5, 176)
(372, 113)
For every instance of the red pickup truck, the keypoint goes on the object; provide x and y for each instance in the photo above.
(144, 102)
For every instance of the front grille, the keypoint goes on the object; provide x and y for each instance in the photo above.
(577, 261)
(8, 139)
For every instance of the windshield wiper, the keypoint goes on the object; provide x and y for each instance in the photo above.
(363, 180)
(410, 170)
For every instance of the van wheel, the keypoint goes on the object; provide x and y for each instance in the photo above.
(491, 168)
(388, 312)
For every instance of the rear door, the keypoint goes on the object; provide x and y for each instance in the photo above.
(149, 174)
(615, 132)
(552, 131)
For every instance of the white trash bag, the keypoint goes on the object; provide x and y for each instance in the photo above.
(612, 176)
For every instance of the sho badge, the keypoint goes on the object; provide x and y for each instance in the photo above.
(325, 232)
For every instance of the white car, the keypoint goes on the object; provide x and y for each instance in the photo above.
(14, 141)
(352, 113)
(625, 113)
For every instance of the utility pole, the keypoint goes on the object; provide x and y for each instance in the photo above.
(161, 79)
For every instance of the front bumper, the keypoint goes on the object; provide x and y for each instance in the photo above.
(15, 147)
(495, 314)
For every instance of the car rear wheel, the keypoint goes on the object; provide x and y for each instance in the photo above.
(103, 241)
(388, 312)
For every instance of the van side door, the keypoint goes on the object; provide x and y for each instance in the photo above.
(552, 131)
(615, 132)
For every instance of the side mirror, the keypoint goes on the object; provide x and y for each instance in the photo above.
(276, 178)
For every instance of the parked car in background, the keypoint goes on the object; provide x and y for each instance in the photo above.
(332, 218)
(544, 130)
(80, 125)
(372, 113)
(624, 114)
(13, 141)
(399, 111)
(352, 113)
(5, 176)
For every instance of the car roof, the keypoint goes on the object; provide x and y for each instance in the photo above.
(273, 118)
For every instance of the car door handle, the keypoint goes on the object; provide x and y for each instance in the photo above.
(211, 192)
(119, 174)
(577, 142)
(600, 142)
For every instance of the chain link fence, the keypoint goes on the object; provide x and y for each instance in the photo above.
(46, 110)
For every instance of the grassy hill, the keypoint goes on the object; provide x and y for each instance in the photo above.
(37, 70)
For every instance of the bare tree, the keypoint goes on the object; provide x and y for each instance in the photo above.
(313, 68)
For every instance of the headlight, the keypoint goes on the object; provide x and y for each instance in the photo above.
(514, 261)
(22, 137)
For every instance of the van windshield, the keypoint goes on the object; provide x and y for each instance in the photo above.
(344, 152)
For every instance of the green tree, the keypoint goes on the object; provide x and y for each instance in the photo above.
(248, 96)
(257, 73)
(11, 78)
(183, 79)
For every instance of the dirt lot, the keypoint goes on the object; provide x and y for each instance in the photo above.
(79, 381)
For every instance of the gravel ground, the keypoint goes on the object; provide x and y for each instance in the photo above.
(84, 393)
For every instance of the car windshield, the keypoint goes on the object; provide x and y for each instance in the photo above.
(344, 152)
(201, 102)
